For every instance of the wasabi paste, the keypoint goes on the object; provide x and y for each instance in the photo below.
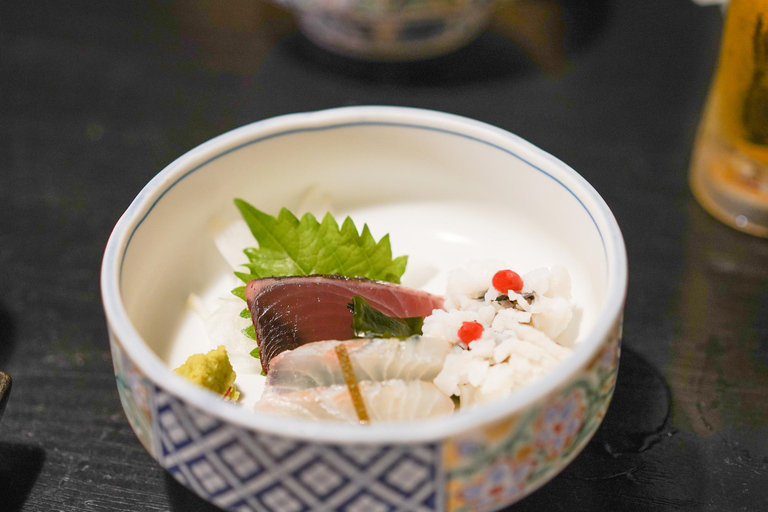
(213, 371)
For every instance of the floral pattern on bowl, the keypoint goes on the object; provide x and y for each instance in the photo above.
(509, 460)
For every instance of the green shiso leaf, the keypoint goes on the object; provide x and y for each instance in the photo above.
(369, 322)
(245, 313)
(250, 332)
(289, 246)
(239, 292)
(256, 353)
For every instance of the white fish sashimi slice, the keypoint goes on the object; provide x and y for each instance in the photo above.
(316, 364)
(312, 365)
(397, 400)
(392, 400)
(416, 358)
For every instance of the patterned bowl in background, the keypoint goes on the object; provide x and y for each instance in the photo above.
(377, 164)
(391, 29)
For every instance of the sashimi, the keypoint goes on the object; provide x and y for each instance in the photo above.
(288, 312)
(392, 400)
(316, 364)
(339, 339)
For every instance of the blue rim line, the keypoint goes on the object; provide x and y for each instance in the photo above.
(347, 125)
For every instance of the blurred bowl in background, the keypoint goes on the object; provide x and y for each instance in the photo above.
(391, 29)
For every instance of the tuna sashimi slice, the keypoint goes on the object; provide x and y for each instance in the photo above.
(288, 312)
(391, 400)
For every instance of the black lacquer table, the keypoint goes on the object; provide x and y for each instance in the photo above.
(97, 97)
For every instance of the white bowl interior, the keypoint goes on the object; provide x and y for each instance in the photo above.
(448, 191)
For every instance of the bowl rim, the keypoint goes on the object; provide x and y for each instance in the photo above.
(433, 430)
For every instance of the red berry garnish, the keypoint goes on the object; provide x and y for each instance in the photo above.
(470, 331)
(505, 280)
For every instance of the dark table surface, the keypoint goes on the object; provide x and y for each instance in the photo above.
(97, 97)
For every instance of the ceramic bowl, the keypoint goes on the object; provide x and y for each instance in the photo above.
(448, 190)
(391, 30)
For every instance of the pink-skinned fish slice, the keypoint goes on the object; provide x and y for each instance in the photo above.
(316, 364)
(288, 312)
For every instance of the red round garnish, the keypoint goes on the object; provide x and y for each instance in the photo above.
(470, 331)
(505, 280)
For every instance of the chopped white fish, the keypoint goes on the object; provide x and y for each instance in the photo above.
(519, 329)
(317, 365)
(391, 400)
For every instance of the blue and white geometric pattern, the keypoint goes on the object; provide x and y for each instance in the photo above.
(242, 470)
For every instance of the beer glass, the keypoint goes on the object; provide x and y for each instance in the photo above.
(729, 166)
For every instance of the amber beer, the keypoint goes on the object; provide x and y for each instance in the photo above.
(729, 170)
